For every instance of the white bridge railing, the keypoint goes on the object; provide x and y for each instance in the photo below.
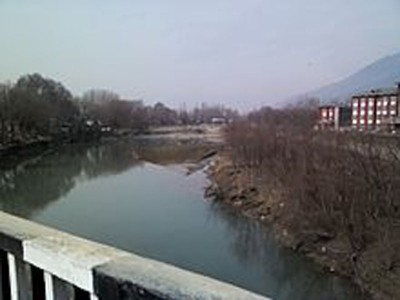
(37, 262)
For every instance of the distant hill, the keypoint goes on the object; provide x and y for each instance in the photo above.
(382, 73)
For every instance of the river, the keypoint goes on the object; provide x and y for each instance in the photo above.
(136, 195)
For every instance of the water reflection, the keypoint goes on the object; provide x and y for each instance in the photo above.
(107, 193)
(31, 185)
(108, 160)
(286, 274)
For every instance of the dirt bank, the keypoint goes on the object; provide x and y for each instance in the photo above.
(242, 189)
(205, 132)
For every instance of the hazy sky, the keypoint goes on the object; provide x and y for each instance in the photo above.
(246, 53)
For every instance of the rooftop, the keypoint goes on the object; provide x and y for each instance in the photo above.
(378, 92)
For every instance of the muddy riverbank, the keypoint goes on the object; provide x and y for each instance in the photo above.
(207, 135)
(136, 194)
(240, 189)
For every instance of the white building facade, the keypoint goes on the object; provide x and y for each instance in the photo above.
(376, 110)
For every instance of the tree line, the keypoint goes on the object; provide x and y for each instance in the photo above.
(336, 192)
(35, 107)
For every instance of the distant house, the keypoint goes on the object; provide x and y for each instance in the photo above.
(334, 117)
(376, 110)
(218, 120)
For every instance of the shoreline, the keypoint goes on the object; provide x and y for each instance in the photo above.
(233, 187)
(18, 152)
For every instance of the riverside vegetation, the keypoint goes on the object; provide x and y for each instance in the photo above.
(331, 195)
(37, 110)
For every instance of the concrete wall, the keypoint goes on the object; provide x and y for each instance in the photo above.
(43, 263)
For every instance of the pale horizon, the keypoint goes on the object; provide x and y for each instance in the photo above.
(239, 54)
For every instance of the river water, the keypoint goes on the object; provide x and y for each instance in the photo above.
(136, 195)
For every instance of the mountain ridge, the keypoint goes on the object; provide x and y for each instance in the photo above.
(382, 73)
